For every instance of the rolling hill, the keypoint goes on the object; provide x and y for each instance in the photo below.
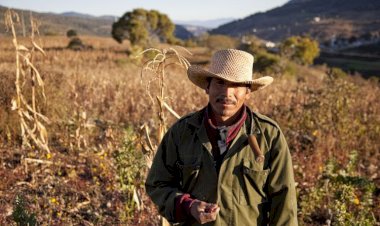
(85, 24)
(321, 19)
(59, 24)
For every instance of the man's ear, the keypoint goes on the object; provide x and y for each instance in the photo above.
(248, 94)
(208, 85)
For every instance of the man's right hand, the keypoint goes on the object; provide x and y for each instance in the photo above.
(204, 212)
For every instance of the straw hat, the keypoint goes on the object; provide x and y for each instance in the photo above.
(231, 65)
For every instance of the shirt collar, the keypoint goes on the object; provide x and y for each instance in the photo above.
(210, 120)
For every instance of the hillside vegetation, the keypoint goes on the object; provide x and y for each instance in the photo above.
(321, 19)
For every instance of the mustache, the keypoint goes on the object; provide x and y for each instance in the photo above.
(225, 100)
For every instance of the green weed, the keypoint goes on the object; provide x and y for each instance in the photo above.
(20, 215)
(130, 167)
(341, 197)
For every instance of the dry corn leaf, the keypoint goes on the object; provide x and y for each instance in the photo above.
(161, 102)
(137, 199)
(22, 48)
(38, 76)
(14, 105)
(39, 48)
(27, 115)
(145, 127)
(43, 132)
(84, 115)
(46, 119)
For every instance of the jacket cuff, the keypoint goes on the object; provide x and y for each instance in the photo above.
(183, 205)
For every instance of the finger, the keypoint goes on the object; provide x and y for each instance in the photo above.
(207, 217)
(202, 217)
(204, 212)
(211, 208)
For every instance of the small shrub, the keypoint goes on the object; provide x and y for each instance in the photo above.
(77, 44)
(336, 73)
(71, 33)
(175, 41)
(190, 43)
(51, 33)
(217, 42)
(290, 69)
(374, 79)
(20, 215)
(266, 63)
(303, 50)
(342, 197)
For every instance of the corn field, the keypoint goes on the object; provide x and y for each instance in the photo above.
(78, 130)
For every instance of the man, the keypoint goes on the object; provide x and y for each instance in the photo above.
(224, 165)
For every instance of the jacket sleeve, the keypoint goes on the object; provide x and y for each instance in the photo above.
(162, 183)
(281, 185)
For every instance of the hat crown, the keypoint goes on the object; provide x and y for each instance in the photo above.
(233, 65)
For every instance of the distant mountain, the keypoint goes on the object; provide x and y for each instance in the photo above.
(88, 16)
(199, 27)
(299, 1)
(182, 33)
(209, 24)
(59, 24)
(195, 30)
(75, 14)
(322, 19)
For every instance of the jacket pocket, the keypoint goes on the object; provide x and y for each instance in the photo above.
(188, 175)
(253, 185)
(251, 215)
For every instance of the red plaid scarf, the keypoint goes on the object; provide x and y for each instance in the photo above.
(214, 132)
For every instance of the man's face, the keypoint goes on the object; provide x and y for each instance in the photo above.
(226, 98)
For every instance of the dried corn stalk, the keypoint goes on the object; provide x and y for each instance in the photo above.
(157, 65)
(31, 119)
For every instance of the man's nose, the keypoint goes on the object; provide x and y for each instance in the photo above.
(227, 90)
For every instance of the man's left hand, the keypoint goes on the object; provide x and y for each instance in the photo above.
(204, 212)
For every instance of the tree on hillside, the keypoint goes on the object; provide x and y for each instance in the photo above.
(142, 27)
(300, 49)
(217, 42)
(264, 62)
(71, 33)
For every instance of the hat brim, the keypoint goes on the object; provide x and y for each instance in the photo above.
(199, 77)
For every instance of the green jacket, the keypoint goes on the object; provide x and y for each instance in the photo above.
(248, 193)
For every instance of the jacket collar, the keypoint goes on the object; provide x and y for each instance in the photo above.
(197, 118)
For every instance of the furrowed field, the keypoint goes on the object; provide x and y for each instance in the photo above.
(97, 104)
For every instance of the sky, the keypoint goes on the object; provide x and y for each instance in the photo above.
(175, 9)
